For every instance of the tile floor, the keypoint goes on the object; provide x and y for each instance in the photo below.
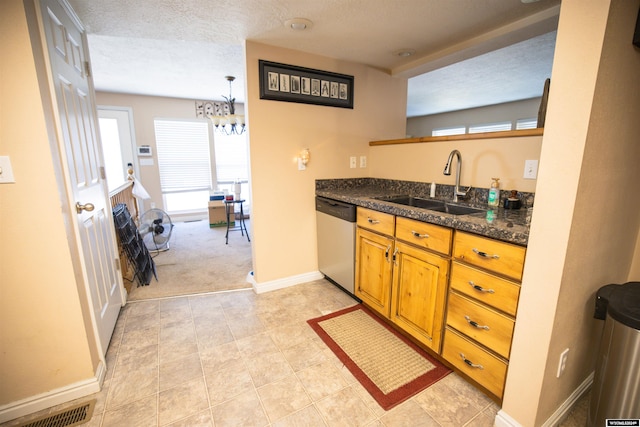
(241, 359)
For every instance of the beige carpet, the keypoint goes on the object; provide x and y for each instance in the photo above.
(199, 261)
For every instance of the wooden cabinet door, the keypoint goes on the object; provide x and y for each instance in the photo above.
(419, 293)
(374, 270)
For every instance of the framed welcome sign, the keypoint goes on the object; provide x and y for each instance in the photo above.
(289, 83)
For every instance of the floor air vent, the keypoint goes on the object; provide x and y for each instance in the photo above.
(76, 415)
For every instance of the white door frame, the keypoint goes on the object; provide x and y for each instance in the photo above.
(128, 150)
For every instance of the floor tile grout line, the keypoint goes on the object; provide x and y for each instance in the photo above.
(204, 376)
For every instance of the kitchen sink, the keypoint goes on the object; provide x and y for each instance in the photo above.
(461, 210)
(434, 205)
(416, 202)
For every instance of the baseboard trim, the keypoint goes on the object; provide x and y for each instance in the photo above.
(566, 407)
(504, 420)
(286, 282)
(55, 397)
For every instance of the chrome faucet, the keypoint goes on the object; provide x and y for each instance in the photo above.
(447, 171)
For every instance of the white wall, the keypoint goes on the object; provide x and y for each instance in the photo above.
(509, 111)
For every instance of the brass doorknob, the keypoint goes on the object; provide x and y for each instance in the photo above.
(86, 207)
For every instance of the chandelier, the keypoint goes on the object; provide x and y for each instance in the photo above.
(229, 122)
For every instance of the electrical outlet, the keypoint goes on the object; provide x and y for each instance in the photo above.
(352, 162)
(530, 169)
(363, 161)
(562, 363)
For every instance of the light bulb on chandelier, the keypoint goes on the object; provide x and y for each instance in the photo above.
(229, 123)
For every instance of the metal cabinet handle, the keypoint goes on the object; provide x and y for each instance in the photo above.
(480, 288)
(470, 363)
(395, 252)
(418, 235)
(373, 221)
(86, 207)
(486, 255)
(475, 324)
(386, 253)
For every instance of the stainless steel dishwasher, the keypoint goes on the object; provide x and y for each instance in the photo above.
(336, 229)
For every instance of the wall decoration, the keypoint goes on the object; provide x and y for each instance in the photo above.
(281, 82)
(204, 109)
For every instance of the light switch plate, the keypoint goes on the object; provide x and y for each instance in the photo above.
(352, 162)
(6, 171)
(530, 169)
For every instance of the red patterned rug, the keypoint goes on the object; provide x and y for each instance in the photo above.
(388, 365)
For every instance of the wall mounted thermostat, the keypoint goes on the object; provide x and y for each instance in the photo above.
(144, 150)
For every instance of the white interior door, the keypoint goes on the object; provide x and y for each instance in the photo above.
(75, 118)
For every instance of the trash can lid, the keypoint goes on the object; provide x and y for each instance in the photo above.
(624, 304)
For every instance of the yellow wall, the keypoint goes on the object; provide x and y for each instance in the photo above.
(44, 344)
(481, 160)
(579, 240)
(283, 211)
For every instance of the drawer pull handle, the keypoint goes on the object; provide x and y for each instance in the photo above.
(480, 288)
(486, 255)
(373, 221)
(418, 235)
(475, 324)
(470, 363)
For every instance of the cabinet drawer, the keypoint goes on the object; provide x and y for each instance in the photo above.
(424, 235)
(503, 258)
(474, 361)
(377, 221)
(480, 323)
(494, 291)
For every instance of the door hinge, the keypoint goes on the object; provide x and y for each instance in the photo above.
(103, 173)
(87, 68)
(116, 261)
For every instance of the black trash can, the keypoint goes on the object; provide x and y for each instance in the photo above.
(615, 394)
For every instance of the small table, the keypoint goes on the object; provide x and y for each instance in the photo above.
(229, 208)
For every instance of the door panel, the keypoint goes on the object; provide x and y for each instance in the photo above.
(373, 270)
(75, 120)
(419, 293)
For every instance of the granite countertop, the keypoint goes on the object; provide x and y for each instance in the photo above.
(508, 225)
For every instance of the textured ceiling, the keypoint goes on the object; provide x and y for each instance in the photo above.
(185, 48)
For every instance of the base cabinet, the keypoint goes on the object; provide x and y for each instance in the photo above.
(481, 308)
(456, 293)
(401, 280)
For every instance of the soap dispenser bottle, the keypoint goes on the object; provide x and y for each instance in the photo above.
(494, 193)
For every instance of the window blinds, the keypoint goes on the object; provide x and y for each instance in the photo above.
(183, 155)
